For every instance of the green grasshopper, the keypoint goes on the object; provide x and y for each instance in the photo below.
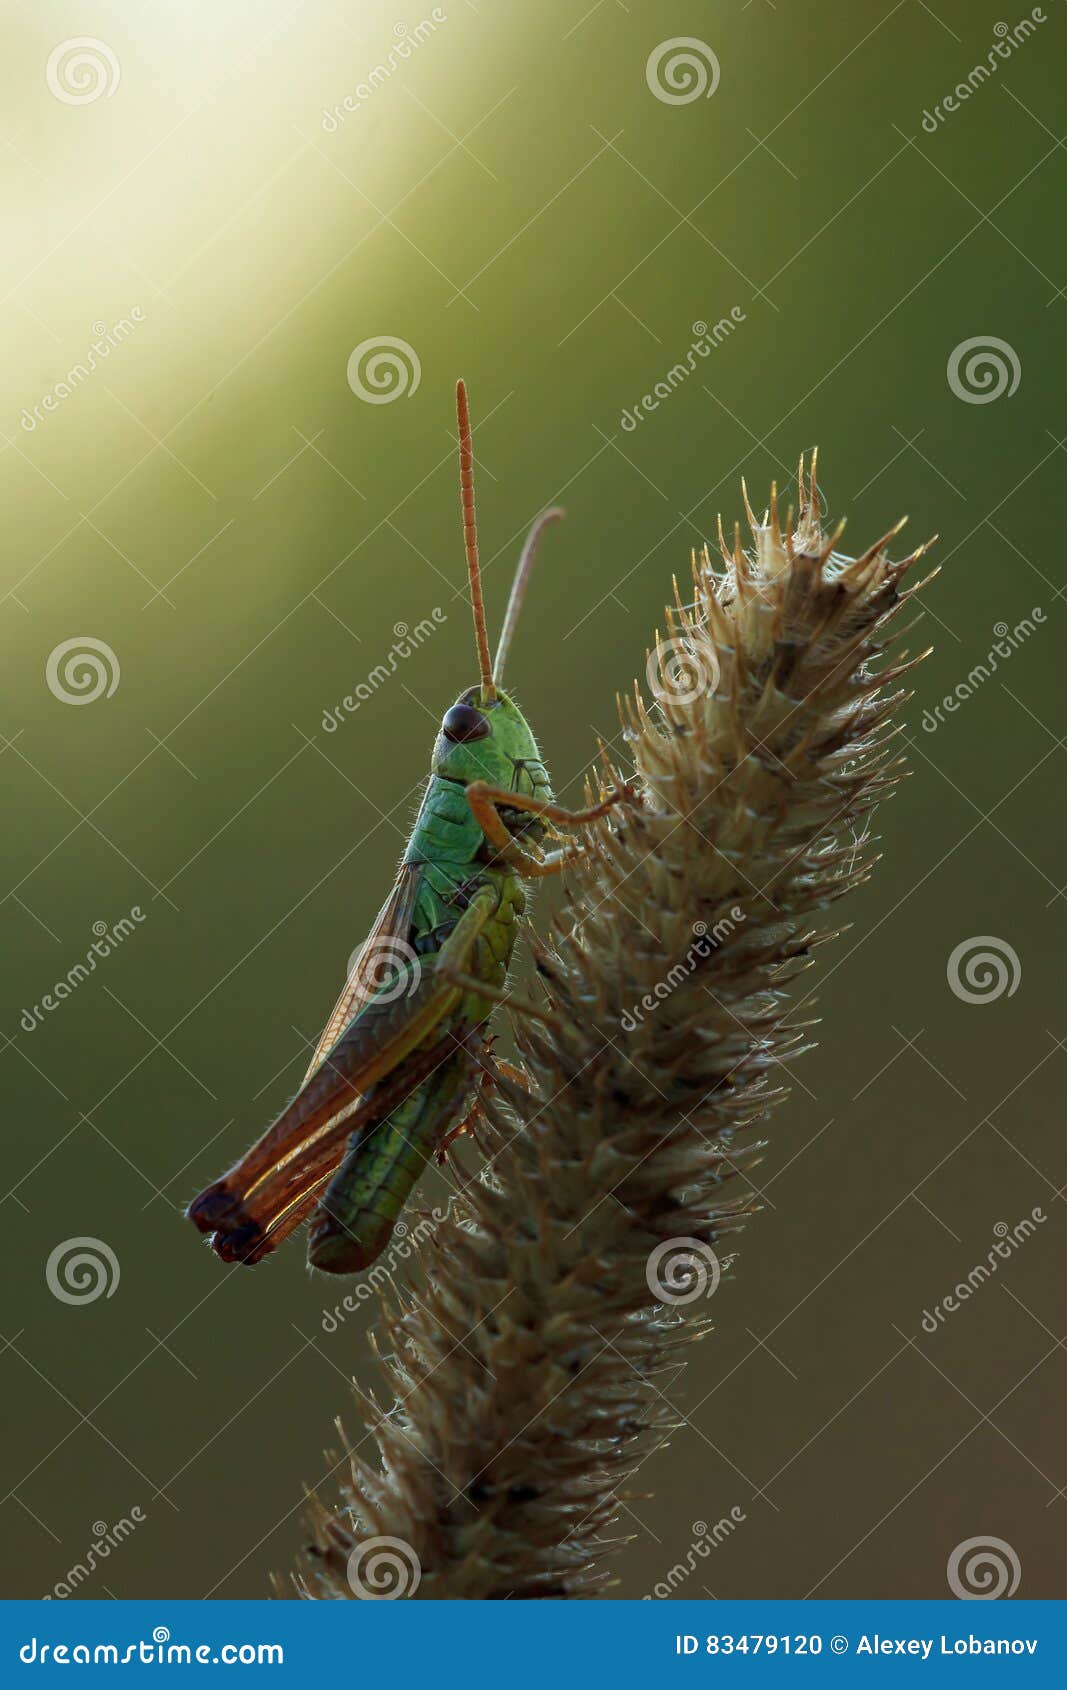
(396, 1072)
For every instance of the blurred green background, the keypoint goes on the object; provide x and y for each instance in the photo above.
(244, 533)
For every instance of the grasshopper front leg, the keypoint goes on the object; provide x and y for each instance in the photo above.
(487, 801)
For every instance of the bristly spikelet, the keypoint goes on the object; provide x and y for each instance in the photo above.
(523, 1363)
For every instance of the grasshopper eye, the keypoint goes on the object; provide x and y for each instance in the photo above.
(464, 723)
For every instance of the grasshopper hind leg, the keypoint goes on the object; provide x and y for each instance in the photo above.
(360, 1207)
(336, 1246)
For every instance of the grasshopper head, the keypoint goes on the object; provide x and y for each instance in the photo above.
(492, 742)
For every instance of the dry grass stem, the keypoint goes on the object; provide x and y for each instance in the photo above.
(526, 1361)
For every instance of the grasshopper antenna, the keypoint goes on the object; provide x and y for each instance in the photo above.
(518, 587)
(470, 541)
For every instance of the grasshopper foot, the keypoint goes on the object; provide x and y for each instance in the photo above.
(213, 1208)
